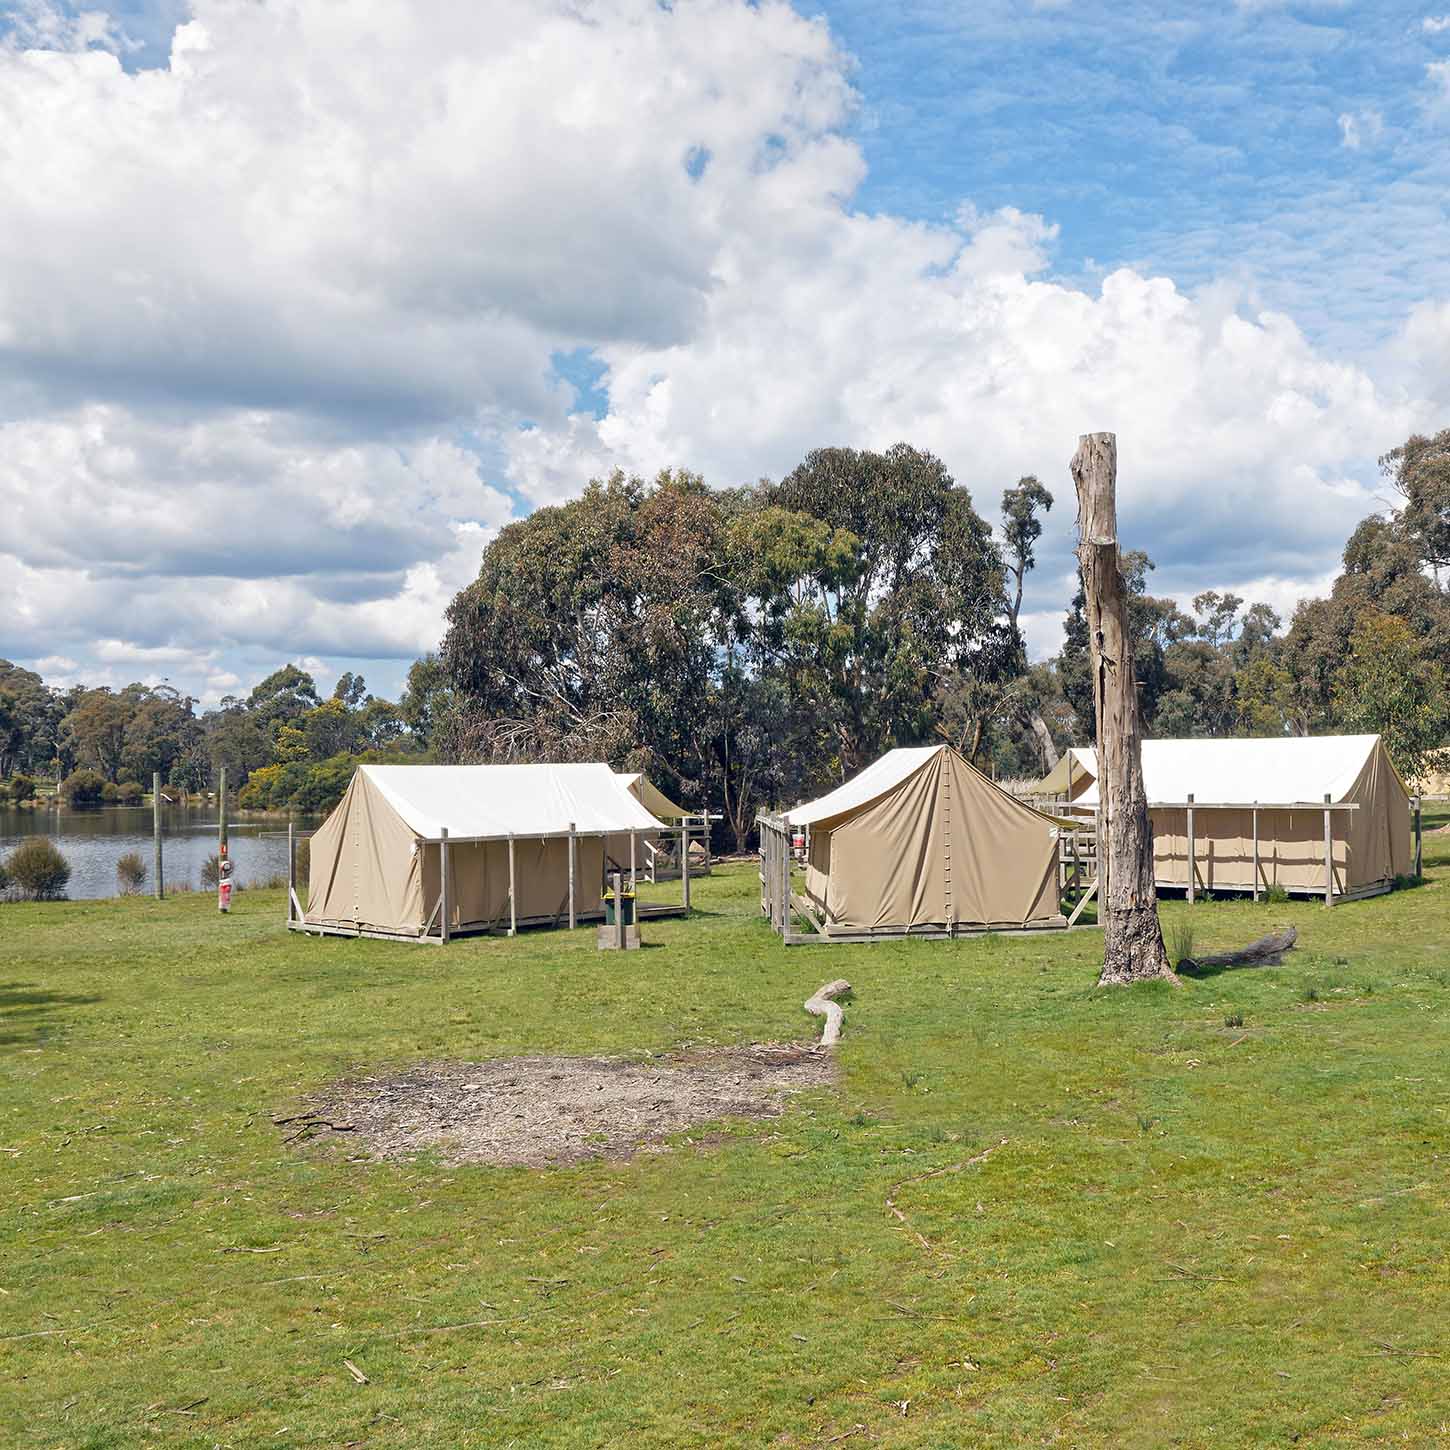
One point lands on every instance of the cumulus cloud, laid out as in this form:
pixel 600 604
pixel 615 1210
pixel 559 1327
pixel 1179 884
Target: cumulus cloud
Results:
pixel 1435 24
pixel 279 324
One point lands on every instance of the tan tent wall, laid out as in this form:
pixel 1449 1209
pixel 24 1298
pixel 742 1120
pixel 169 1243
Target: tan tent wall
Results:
pixel 369 871
pixel 478 879
pixel 1370 846
pixel 943 848
pixel 363 869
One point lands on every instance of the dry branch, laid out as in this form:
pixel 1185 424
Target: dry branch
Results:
pixel 821 1005
pixel 1268 951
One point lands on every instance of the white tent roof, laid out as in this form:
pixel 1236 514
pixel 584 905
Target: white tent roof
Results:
pixel 871 784
pixel 1242 772
pixel 503 800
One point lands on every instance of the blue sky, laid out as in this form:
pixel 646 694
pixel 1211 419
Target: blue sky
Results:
pixel 1200 140
pixel 368 281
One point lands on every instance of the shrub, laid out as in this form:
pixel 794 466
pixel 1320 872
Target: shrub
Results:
pixel 83 788
pixel 1234 1019
pixel 22 789
pixel 1276 895
pixel 211 871
pixel 130 873
pixel 109 794
pixel 1179 941
pixel 4 878
pixel 38 870
pixel 129 793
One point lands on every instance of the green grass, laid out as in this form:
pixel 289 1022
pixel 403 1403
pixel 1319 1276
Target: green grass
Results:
pixel 1206 1217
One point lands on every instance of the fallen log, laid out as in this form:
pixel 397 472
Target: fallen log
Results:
pixel 1268 951
pixel 821 1005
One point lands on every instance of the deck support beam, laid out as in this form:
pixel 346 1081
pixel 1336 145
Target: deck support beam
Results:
pixel 443 882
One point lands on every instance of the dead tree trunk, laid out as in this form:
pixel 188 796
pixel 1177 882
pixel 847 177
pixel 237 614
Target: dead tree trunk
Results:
pixel 1132 938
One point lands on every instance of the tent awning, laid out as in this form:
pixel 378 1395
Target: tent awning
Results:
pixel 495 801
pixel 652 797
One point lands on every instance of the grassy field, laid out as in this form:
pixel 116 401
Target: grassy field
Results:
pixel 1208 1217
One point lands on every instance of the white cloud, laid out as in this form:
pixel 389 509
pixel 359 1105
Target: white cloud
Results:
pixel 264 312
pixel 1437 72
pixel 1435 24
pixel 1359 128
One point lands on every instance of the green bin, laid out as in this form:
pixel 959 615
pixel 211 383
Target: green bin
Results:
pixel 626 907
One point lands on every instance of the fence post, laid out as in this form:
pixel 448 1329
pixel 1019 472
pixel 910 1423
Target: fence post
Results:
pixel 1256 853
pixel 158 885
pixel 291 866
pixel 685 864
pixel 446 910
pixel 633 870
pixel 573 913
pixel 223 891
pixel 1191 863
pixel 513 901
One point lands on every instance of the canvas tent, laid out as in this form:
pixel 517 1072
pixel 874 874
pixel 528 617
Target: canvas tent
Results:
pixel 1287 804
pixel 424 851
pixel 1067 780
pixel 918 843
pixel 652 798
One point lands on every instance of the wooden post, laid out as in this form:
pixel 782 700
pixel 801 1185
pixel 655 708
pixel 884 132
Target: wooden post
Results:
pixel 1133 947
pixel 447 906
pixel 1191 862
pixel 573 912
pixel 1256 853
pixel 633 857
pixel 157 885
pixel 513 899
pixel 222 857
pixel 291 865
pixel 685 864
pixel 618 913
pixel 1419 842
pixel 1328 855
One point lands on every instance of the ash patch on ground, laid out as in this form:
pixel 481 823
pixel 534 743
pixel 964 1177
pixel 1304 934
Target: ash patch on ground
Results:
pixel 544 1111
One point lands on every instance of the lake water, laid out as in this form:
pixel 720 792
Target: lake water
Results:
pixel 93 841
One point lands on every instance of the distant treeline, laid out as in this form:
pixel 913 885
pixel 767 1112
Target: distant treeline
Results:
pixel 748 646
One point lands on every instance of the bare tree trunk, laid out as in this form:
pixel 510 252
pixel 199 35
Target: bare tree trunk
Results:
pixel 1044 741
pixel 1132 938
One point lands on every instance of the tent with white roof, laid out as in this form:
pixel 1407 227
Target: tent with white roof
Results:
pixel 1273 792
pixel 424 851
pixel 920 842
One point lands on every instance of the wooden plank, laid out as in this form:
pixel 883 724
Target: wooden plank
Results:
pixel 443 901
pixel 1192 865
pixel 805 910
pixel 158 886
pixel 1256 853
pixel 1086 897
pixel 573 911
pixel 513 892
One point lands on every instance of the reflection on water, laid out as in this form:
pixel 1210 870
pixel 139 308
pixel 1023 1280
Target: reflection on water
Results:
pixel 92 841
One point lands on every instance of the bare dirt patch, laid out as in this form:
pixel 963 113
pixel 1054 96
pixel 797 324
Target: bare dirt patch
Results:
pixel 541 1111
